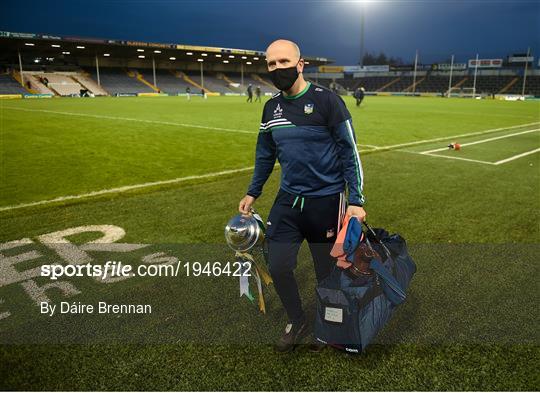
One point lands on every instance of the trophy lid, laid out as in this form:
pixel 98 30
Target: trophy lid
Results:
pixel 242 232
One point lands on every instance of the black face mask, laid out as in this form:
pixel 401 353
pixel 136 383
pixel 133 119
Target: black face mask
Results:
pixel 284 78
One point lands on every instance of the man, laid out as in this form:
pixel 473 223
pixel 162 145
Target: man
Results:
pixel 188 93
pixel 250 93
pixel 258 94
pixel 359 95
pixel 308 129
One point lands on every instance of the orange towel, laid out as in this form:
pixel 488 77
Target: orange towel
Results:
pixel 337 250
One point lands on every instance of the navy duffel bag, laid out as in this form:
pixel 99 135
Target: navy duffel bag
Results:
pixel 352 310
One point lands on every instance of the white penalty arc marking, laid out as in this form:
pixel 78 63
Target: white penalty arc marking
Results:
pixel 166 123
pixel 484 140
pixel 516 157
pixel 125 188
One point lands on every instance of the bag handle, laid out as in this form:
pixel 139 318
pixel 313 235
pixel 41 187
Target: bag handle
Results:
pixel 372 232
pixel 391 286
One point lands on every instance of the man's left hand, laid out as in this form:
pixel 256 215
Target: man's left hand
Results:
pixel 357 211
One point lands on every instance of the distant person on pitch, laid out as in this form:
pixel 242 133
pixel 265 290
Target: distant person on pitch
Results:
pixel 250 93
pixel 359 95
pixel 188 93
pixel 309 130
pixel 258 94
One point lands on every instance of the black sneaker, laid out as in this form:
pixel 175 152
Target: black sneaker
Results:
pixel 292 336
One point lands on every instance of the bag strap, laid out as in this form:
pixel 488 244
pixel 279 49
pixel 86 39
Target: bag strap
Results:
pixel 392 289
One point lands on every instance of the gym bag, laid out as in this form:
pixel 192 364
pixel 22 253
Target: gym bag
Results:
pixel 352 309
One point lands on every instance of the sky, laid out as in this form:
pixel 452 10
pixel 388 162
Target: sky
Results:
pixel 331 29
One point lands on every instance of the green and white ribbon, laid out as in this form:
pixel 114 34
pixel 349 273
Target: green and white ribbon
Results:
pixel 258 271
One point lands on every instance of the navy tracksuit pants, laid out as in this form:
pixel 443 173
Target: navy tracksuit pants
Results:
pixel 293 219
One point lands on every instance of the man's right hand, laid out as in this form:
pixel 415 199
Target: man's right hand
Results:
pixel 245 204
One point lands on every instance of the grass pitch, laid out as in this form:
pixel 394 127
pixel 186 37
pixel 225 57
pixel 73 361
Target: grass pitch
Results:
pixel 471 218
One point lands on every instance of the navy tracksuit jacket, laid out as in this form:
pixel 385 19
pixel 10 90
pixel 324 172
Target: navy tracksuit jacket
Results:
pixel 312 137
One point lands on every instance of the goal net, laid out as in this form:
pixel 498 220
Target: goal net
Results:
pixel 466 92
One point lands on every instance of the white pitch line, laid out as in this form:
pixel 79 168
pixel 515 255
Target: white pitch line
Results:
pixel 179 180
pixel 457 136
pixel 484 140
pixel 124 188
pixel 454 158
pixel 167 123
pixel 516 157
pixel 368 146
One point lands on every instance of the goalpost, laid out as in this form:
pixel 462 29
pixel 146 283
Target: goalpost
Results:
pixel 463 92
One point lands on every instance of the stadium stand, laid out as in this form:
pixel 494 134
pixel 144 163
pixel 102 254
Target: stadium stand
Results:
pixel 266 85
pixel 66 73
pixel 402 84
pixel 532 87
pixel 492 84
pixel 438 84
pixel 140 77
pixel 8 85
pixel 330 84
pixel 249 78
pixel 87 82
pixel 167 81
pixel 211 82
pixel 62 85
pixel 231 85
pixel 372 83
pixel 434 83
pixel 117 81
pixel 429 83
pixel 36 87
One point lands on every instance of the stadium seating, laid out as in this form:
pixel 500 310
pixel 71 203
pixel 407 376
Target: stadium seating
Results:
pixel 435 84
pixel 368 83
pixel 485 84
pixel 60 84
pixel 119 80
pixel 211 82
pixel 88 83
pixel 253 79
pixel 504 84
pixel 36 85
pixel 265 83
pixel 382 83
pixel 167 81
pixel 532 86
pixel 328 83
pixel 321 82
pixel 8 85
pixel 488 84
pixel 116 81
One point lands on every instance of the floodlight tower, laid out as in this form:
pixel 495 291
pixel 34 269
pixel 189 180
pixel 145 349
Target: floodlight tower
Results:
pixel 362 23
pixel 362 28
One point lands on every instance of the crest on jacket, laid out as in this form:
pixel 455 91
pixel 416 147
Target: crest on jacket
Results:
pixel 308 109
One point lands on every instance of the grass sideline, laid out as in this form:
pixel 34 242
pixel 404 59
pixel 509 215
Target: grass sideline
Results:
pixel 451 212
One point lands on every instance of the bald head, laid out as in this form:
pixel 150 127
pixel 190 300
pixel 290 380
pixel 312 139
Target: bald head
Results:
pixel 284 46
pixel 282 54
